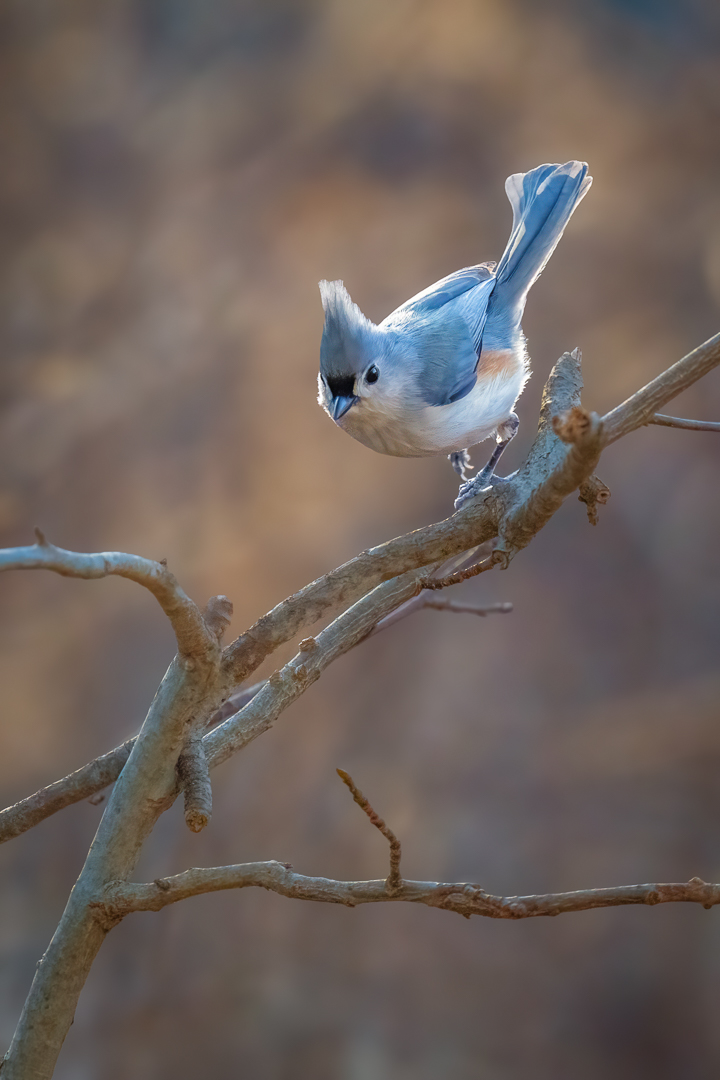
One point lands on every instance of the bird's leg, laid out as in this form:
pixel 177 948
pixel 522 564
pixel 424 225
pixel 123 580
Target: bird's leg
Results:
pixel 505 434
pixel 460 461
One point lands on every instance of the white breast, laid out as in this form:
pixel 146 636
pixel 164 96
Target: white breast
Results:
pixel 394 427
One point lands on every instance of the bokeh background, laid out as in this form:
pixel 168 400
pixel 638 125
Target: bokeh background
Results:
pixel 175 177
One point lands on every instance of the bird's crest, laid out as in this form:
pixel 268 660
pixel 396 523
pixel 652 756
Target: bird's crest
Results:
pixel 347 335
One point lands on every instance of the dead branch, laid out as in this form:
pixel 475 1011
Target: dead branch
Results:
pixel 120 899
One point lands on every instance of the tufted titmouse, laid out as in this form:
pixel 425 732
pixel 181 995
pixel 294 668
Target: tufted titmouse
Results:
pixel 444 370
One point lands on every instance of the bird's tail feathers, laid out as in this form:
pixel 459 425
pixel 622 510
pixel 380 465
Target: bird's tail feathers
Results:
pixel 543 202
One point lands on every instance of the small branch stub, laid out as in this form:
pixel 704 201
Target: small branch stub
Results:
pixel 192 768
pixel 218 614
pixel 394 880
pixel 593 493
pixel 576 426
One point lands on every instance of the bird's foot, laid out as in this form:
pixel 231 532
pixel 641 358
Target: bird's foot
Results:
pixel 471 488
pixel 460 461
pixel 505 434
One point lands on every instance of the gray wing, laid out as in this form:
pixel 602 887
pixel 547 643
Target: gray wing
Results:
pixel 444 358
pixel 446 326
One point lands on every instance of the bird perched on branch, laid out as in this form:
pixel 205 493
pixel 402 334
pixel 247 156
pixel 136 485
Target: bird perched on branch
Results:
pixel 444 370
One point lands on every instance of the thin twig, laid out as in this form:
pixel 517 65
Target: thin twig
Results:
pixel 120 899
pixel 689 425
pixel 502 608
pixel 464 575
pixel 417 603
pixel 394 880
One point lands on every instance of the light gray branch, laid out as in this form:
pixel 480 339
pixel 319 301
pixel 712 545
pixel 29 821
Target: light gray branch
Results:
pixel 192 634
pixel 464 898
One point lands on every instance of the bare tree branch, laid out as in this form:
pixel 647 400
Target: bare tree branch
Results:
pixel 689 425
pixel 185 617
pixel 120 899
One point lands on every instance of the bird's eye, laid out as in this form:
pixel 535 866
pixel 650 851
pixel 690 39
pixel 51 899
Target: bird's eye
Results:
pixel 372 374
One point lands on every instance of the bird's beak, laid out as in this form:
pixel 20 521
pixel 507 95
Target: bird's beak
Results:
pixel 340 406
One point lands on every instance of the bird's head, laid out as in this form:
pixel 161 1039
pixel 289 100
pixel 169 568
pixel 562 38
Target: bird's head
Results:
pixel 350 353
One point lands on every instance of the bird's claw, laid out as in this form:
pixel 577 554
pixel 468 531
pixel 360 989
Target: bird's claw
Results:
pixel 471 488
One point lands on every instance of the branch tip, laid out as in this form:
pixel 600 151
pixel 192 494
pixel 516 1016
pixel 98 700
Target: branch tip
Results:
pixel 40 537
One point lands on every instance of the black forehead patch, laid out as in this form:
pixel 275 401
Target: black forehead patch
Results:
pixel 341 385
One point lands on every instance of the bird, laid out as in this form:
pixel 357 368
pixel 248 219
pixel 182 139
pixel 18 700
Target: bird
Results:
pixel 443 371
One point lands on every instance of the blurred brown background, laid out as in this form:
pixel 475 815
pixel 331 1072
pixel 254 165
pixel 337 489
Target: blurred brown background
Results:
pixel 175 177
